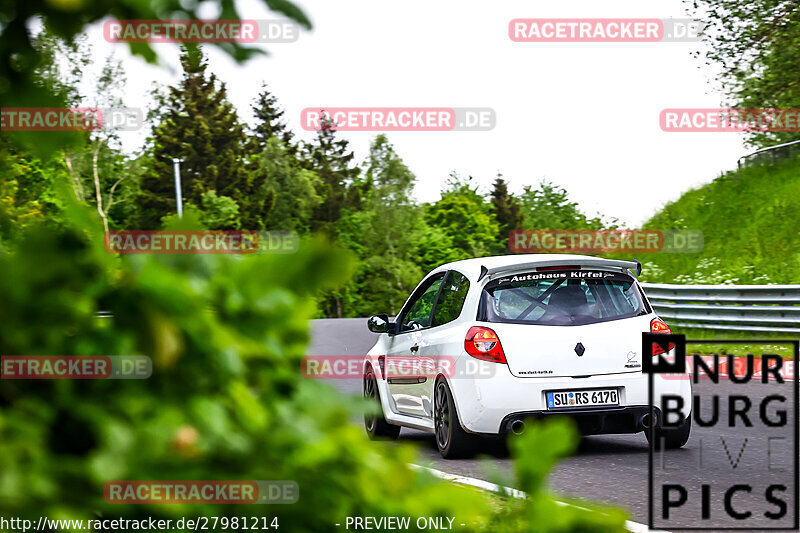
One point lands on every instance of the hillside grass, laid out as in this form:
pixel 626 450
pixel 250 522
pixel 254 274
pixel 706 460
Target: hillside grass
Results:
pixel 750 219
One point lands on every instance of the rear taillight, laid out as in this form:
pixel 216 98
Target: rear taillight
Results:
pixel 659 326
pixel 483 343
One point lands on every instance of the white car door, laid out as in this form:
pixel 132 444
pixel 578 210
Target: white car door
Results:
pixel 407 345
pixel 438 347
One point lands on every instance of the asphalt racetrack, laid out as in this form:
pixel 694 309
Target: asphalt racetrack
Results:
pixel 614 469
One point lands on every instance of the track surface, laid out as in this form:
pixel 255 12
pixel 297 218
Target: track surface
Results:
pixel 614 469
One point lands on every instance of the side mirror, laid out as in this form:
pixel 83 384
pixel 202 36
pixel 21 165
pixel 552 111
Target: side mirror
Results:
pixel 380 324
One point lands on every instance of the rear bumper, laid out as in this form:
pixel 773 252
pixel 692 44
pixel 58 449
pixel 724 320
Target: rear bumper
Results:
pixel 591 421
pixel 489 405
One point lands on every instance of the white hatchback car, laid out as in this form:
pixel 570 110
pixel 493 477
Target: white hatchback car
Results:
pixel 498 341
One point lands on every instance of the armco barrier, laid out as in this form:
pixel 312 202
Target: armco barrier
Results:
pixel 766 308
pixel 761 308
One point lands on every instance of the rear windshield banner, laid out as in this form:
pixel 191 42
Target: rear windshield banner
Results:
pixel 560 274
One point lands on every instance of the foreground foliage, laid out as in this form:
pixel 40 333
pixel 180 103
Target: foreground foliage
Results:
pixel 226 399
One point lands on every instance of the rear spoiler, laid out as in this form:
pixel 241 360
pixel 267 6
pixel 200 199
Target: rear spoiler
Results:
pixel 634 266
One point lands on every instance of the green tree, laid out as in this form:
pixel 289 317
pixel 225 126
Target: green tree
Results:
pixel 331 158
pixel 100 174
pixel 200 126
pixel 386 231
pixel 435 248
pixel 506 210
pixel 27 190
pixel 270 123
pixel 465 218
pixel 756 45
pixel 218 212
pixel 294 188
pixel 549 207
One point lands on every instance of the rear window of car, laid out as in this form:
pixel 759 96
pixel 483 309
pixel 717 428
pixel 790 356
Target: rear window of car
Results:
pixel 562 298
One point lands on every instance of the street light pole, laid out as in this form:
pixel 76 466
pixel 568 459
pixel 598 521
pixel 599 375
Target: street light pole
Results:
pixel 178 195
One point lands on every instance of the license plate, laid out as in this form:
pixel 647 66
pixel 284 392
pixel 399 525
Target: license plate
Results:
pixel 571 399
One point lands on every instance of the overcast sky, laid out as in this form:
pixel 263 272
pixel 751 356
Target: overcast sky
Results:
pixel 584 116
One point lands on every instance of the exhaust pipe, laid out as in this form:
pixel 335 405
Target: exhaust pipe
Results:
pixel 517 427
pixel 645 422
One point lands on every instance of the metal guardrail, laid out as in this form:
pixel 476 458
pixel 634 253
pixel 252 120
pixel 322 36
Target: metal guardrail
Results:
pixel 765 308
pixel 775 153
pixel 760 308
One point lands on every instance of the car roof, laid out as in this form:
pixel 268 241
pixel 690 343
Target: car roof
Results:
pixel 473 268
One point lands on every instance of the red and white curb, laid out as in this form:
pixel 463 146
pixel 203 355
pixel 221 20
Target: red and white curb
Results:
pixel 634 527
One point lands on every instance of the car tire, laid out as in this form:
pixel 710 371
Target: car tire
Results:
pixel 673 438
pixel 375 423
pixel 451 439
